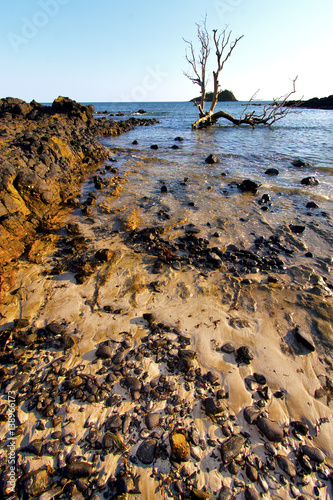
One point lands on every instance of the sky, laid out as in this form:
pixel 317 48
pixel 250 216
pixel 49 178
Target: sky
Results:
pixel 107 50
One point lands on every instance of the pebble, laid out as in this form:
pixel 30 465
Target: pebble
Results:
pixel 270 429
pixel 231 448
pixel 152 420
pixel 146 451
pixel 211 159
pixel 286 465
pixel 313 453
pixel 180 448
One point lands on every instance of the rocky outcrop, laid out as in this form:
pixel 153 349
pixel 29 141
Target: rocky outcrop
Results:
pixel 45 154
pixel 224 96
pixel 314 103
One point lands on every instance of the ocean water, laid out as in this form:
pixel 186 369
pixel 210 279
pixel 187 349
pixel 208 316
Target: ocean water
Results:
pixel 210 193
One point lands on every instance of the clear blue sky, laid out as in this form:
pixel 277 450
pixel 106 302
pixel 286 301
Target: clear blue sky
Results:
pixel 107 50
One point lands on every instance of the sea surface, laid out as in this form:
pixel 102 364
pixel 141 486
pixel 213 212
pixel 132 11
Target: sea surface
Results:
pixel 210 192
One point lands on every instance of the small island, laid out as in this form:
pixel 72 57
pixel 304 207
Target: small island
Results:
pixel 224 96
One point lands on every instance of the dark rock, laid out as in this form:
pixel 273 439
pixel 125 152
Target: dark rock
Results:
pixel 104 255
pixel 113 423
pixel 35 447
pixel 231 448
pixel 141 112
pixel 310 181
pixel 224 96
pixel 78 469
pixel 154 146
pixel 104 351
pixel 272 171
pixel 305 339
pixel 146 451
pixel 211 159
pixel 178 138
pixel 244 355
pixel 174 146
pixel 286 465
pixel 313 453
pixel 300 427
pixel 297 229
pixel 228 348
pixel 135 142
pixel 311 204
pixel 251 493
pixel 270 429
pixel 51 448
pixel 164 189
pixel 133 383
pixel 152 420
pixel 251 414
pixel 214 406
pixel 300 163
pixel 248 186
pixel 226 493
pixel 261 379
pixel 251 473
pixel 35 483
pixel 21 323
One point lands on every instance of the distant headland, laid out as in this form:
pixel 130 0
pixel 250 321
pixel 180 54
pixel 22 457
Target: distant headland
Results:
pixel 314 103
pixel 225 95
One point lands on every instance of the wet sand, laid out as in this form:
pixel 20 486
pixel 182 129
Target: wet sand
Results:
pixel 165 309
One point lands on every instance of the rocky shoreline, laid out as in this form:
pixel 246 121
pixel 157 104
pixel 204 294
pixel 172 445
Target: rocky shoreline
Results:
pixel 152 361
pixel 45 154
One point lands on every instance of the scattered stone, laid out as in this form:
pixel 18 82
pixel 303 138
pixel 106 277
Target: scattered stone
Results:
pixel 78 469
pixel 104 351
pixel 228 348
pixel 211 159
pixel 35 483
pixel 251 493
pixel 270 429
pixel 214 406
pixel 286 465
pixel 244 355
pixel 180 448
pixel 251 413
pixel 154 146
pixel 300 163
pixel 311 204
pixel 104 255
pixel 152 420
pixel 146 451
pixel 313 453
pixel 310 181
pixel 164 189
pixel 231 448
pixel 248 186
pixel 226 493
pixel 272 171
pixel 297 229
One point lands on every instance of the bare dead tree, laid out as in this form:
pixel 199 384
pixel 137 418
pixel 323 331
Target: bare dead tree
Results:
pixel 223 49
